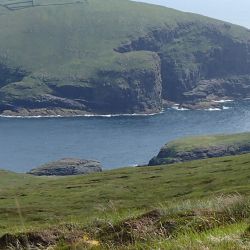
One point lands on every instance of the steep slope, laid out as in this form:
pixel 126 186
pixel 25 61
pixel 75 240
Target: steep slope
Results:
pixel 116 56
pixel 201 147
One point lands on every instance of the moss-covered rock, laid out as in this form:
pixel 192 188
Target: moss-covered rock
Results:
pixel 194 148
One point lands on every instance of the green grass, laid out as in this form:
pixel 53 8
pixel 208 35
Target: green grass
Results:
pixel 201 204
pixel 48 201
pixel 219 238
pixel 190 143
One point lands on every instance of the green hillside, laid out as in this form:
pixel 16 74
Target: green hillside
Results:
pixel 114 56
pixel 199 199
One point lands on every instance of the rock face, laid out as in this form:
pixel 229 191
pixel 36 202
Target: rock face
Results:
pixel 198 63
pixel 196 148
pixel 130 58
pixel 67 166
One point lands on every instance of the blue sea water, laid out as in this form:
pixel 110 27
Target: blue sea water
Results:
pixel 115 141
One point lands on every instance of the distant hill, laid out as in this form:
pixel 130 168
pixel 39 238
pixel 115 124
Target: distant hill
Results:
pixel 116 56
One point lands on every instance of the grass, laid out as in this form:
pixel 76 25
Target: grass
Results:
pixel 191 143
pixel 221 222
pixel 220 238
pixel 96 201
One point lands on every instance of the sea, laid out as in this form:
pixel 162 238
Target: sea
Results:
pixel 116 141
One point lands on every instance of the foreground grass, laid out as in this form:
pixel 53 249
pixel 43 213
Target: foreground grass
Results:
pixel 102 205
pixel 220 238
pixel 218 223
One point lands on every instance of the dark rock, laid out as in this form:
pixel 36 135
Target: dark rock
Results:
pixel 67 166
pixel 195 74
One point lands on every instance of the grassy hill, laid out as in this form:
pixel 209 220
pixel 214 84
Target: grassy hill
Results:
pixel 91 54
pixel 199 204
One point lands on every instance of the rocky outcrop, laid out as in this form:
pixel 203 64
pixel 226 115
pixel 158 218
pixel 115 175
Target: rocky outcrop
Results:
pixel 67 166
pixel 124 90
pixel 197 148
pixel 195 58
pixel 234 87
pixel 10 74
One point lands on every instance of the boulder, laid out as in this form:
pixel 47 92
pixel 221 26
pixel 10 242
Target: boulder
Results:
pixel 67 166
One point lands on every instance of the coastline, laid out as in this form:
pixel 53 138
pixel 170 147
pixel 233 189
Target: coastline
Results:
pixel 27 113
pixel 69 114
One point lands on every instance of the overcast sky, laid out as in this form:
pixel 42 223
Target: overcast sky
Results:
pixel 234 11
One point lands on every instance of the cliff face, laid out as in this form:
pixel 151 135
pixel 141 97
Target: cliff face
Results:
pixel 120 90
pixel 117 62
pixel 198 62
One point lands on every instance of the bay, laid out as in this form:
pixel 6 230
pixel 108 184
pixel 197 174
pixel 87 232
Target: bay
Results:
pixel 115 141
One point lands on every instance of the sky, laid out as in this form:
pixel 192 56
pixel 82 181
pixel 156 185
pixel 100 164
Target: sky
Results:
pixel 234 11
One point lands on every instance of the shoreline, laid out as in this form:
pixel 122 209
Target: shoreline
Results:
pixel 80 115
pixel 25 113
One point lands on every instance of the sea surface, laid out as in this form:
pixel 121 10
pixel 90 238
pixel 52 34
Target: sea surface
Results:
pixel 116 141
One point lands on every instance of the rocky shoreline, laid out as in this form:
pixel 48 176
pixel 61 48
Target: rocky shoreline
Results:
pixel 216 104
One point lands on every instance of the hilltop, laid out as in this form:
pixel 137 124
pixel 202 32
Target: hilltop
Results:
pixel 116 56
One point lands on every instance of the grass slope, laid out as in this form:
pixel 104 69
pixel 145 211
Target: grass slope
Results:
pixel 190 143
pixel 35 203
pixel 70 44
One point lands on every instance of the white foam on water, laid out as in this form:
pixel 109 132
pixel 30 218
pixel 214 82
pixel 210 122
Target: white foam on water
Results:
pixel 177 107
pixel 213 109
pixel 73 116
pixel 223 101
pixel 180 109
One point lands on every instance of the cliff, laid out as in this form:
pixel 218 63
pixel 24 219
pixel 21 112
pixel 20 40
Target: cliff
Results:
pixel 116 56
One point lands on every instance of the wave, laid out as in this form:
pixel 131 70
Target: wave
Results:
pixel 213 109
pixel 179 109
pixel 226 108
pixel 223 100
pixel 74 116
